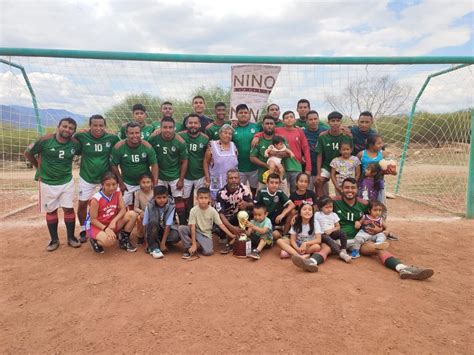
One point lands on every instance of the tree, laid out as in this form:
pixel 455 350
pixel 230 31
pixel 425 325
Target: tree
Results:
pixel 383 96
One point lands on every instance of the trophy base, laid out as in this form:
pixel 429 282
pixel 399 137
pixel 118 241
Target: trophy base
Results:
pixel 242 248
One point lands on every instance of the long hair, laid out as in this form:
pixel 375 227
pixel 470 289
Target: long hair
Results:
pixel 298 225
pixel 378 177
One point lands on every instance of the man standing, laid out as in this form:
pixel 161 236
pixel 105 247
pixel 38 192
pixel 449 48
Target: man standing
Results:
pixel 52 156
pixel 172 157
pixel 135 157
pixel 243 135
pixel 304 107
pixel 312 132
pixel 199 106
pixel 212 129
pixel 273 110
pixel 196 142
pixel 139 116
pixel 96 146
pixel 232 198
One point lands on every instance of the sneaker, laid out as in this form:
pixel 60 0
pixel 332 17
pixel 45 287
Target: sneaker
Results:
pixel 53 245
pixel 83 237
pixel 186 255
pixel 392 236
pixel 255 254
pixel 309 265
pixel 128 246
pixel 73 242
pixel 355 254
pixel 284 255
pixel 140 240
pixel 344 256
pixel 95 246
pixel 157 254
pixel 415 273
pixel 227 249
pixel 382 245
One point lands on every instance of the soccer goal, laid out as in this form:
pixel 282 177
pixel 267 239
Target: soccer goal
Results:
pixel 422 106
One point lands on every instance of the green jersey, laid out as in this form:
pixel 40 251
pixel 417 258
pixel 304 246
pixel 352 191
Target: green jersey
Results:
pixel 170 154
pixel 212 130
pixel 303 124
pixel 146 131
pixel 134 162
pixel 348 215
pixel 242 138
pixel 54 159
pixel 275 202
pixel 328 147
pixel 157 124
pixel 196 148
pixel 95 160
pixel 259 152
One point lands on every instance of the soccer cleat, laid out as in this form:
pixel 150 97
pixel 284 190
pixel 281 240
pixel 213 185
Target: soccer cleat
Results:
pixel 95 246
pixel 53 245
pixel 255 254
pixel 355 254
pixel 227 249
pixel 309 265
pixel 157 254
pixel 415 273
pixel 83 237
pixel 73 242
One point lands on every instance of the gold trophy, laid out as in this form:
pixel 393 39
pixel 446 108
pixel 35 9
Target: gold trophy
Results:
pixel 242 245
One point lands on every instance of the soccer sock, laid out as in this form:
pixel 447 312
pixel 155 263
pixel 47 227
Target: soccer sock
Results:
pixel 320 256
pixel 70 222
pixel 390 261
pixel 52 223
pixel 180 210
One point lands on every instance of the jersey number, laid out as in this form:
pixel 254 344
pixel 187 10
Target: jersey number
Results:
pixel 165 150
pixel 193 147
pixel 61 154
pixel 350 216
pixel 335 146
pixel 135 158
pixel 98 147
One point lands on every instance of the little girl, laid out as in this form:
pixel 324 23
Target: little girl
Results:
pixel 108 216
pixel 142 197
pixel 329 223
pixel 372 182
pixel 366 224
pixel 305 233
pixel 302 194
pixel 344 166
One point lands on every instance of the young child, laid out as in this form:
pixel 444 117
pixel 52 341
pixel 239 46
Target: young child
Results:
pixel 344 166
pixel 277 203
pixel 305 234
pixel 158 221
pixel 273 162
pixel 108 216
pixel 302 194
pixel 372 182
pixel 259 229
pixel 141 198
pixel 329 223
pixel 366 225
pixel 199 231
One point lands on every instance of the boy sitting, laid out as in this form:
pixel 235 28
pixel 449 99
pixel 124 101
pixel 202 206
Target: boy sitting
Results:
pixel 199 231
pixel 259 230
pixel 277 203
pixel 158 222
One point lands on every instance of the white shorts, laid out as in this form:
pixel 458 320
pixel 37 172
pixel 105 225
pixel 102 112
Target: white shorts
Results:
pixel 172 185
pixel 188 186
pixel 87 190
pixel 54 196
pixel 326 174
pixel 251 177
pixel 275 160
pixel 128 195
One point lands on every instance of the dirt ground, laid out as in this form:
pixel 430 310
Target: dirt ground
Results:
pixel 76 301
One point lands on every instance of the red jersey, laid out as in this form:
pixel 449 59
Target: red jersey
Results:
pixel 108 207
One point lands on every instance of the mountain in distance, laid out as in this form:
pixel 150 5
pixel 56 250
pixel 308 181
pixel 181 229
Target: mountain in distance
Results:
pixel 24 117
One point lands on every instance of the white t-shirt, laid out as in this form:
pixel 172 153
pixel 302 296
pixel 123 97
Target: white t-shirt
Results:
pixel 304 236
pixel 326 221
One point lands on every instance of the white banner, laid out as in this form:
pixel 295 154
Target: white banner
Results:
pixel 251 85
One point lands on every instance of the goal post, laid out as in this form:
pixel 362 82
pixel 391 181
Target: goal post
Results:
pixel 425 118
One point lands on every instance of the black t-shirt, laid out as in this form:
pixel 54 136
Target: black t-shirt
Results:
pixel 204 120
pixel 308 197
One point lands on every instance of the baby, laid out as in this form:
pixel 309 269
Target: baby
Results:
pixel 273 162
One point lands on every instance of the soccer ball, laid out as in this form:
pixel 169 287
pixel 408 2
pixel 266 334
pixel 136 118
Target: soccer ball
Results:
pixel 386 164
